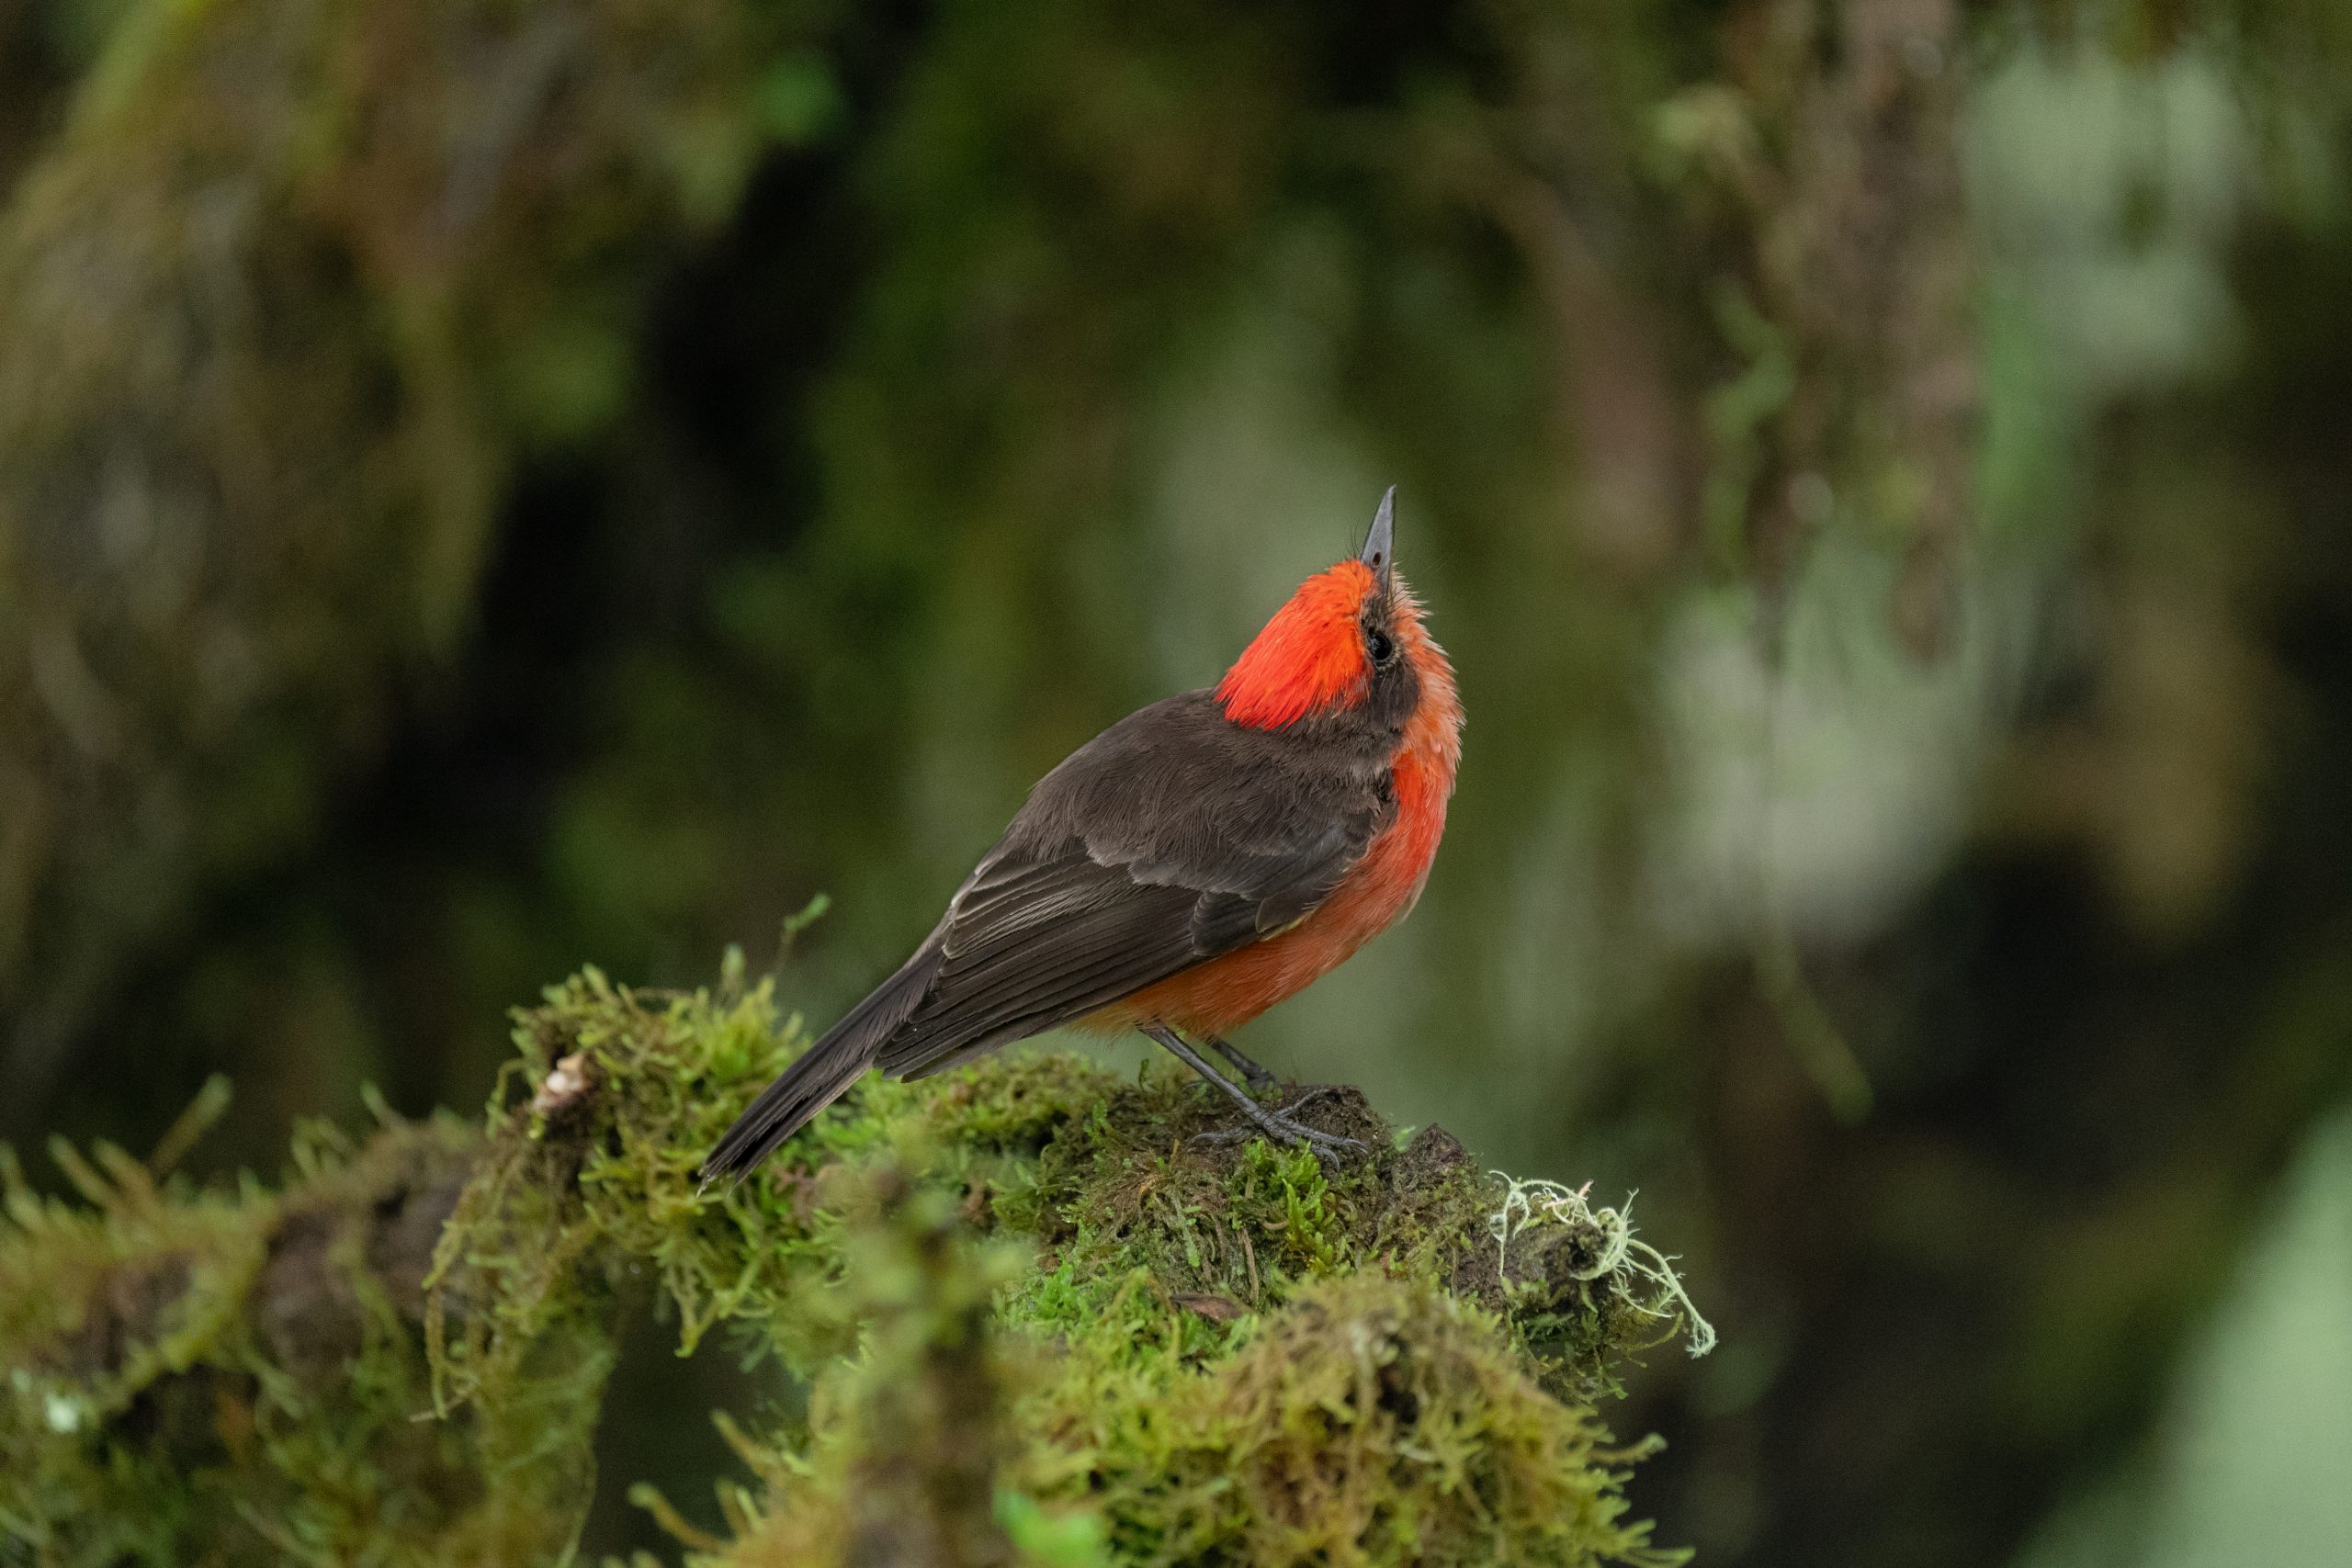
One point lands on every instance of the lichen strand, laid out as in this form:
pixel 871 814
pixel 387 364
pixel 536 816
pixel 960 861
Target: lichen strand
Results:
pixel 1044 1324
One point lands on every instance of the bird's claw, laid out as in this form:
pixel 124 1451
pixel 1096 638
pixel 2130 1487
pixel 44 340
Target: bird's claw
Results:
pixel 1281 1126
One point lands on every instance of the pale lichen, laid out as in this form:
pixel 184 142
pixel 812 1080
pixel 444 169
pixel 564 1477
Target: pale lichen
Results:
pixel 1640 1275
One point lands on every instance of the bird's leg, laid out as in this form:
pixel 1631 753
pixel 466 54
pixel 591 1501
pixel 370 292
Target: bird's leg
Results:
pixel 1259 1078
pixel 1279 1125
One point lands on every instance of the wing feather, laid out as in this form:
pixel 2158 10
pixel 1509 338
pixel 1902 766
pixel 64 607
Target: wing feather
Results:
pixel 1119 873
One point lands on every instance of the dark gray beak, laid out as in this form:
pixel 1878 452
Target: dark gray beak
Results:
pixel 1380 545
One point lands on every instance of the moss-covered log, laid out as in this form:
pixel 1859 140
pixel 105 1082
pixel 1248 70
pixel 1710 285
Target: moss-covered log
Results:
pixel 235 1376
pixel 1042 1324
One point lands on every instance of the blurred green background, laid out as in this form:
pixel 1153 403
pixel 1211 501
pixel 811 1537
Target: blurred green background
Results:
pixel 492 485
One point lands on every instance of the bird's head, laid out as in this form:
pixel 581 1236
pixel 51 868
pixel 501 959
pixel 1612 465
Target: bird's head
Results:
pixel 1349 641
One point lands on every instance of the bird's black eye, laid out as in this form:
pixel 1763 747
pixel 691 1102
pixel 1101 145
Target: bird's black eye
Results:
pixel 1382 646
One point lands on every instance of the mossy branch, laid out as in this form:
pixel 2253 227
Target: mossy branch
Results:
pixel 1041 1323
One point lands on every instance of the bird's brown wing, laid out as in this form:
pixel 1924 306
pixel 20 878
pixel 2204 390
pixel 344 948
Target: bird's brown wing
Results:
pixel 1071 934
pixel 1172 837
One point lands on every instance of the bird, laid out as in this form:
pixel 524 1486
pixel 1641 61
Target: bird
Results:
pixel 1201 860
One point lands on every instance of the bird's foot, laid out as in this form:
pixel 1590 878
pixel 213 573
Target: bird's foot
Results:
pixel 1259 1079
pixel 1281 1127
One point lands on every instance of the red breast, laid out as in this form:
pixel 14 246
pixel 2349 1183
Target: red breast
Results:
pixel 1308 658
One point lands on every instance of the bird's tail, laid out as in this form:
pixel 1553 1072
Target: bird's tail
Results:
pixel 822 1073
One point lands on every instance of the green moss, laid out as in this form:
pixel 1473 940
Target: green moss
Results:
pixel 1371 1419
pixel 607 1179
pixel 1043 1322
pixel 233 1375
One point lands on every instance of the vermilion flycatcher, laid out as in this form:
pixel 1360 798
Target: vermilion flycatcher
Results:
pixel 1186 869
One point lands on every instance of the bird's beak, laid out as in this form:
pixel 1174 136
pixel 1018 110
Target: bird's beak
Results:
pixel 1380 545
